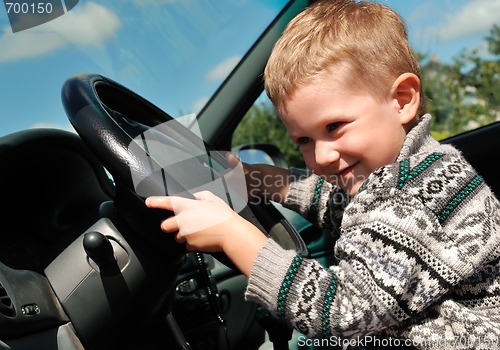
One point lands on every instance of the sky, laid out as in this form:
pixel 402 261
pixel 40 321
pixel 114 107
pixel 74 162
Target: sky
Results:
pixel 177 61
pixel 445 27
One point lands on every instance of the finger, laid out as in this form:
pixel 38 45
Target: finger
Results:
pixel 180 238
pixel 232 159
pixel 169 225
pixel 160 202
pixel 234 162
pixel 172 203
pixel 204 195
pixel 247 168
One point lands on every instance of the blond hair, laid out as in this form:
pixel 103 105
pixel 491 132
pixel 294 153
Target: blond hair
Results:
pixel 369 38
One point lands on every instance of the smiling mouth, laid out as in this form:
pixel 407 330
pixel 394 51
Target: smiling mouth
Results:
pixel 345 171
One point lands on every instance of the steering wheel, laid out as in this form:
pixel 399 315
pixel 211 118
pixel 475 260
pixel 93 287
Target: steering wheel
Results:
pixel 116 124
pixel 109 117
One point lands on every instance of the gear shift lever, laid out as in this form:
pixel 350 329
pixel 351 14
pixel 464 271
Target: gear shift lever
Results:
pixel 99 249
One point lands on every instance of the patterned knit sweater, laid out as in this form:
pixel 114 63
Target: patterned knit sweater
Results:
pixel 417 250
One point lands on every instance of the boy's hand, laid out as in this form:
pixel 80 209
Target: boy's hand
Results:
pixel 208 224
pixel 263 180
pixel 252 175
pixel 200 222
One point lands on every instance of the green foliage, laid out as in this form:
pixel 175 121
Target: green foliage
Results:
pixel 262 124
pixel 465 94
pixel 493 40
pixel 461 95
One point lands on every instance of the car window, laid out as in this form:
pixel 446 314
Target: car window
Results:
pixel 458 46
pixel 174 53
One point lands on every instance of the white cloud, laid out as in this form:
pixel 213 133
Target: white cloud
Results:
pixel 222 70
pixel 87 25
pixel 476 17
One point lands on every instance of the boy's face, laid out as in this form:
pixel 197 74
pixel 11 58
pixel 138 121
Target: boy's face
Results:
pixel 343 135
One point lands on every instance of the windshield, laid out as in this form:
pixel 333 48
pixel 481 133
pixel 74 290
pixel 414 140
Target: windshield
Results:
pixel 175 53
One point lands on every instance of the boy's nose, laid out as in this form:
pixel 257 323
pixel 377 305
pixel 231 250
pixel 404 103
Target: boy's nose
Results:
pixel 325 154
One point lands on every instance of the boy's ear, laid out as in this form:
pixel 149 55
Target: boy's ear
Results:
pixel 406 91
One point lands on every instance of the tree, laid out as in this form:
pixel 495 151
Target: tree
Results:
pixel 464 94
pixel 493 40
pixel 262 124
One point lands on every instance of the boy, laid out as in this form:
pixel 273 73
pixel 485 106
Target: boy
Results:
pixel 417 230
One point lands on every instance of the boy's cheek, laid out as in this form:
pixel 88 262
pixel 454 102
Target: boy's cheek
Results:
pixel 309 160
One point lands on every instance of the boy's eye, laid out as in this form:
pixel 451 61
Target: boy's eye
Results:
pixel 332 126
pixel 303 140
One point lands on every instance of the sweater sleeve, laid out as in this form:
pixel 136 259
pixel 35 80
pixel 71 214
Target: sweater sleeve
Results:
pixel 312 197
